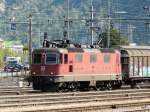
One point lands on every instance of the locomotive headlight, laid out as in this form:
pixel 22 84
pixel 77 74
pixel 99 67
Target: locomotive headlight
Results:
pixel 52 73
pixel 33 73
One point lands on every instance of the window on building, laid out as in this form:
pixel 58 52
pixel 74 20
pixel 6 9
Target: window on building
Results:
pixel 93 58
pixel 106 58
pixel 78 58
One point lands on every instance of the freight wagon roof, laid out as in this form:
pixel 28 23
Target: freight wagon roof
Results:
pixel 135 47
pixel 135 50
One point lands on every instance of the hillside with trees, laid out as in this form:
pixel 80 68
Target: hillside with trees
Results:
pixel 51 16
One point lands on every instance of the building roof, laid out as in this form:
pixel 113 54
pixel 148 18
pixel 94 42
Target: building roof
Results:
pixel 1 40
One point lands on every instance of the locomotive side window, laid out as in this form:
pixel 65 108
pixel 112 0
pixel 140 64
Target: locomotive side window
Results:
pixel 106 58
pixel 65 59
pixel 37 58
pixel 93 58
pixel 61 58
pixel 78 58
pixel 51 58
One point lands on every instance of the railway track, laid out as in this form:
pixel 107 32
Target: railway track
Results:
pixel 75 102
pixel 15 89
pixel 31 101
pixel 79 106
pixel 10 86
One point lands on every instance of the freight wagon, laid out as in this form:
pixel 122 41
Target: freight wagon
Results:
pixel 135 61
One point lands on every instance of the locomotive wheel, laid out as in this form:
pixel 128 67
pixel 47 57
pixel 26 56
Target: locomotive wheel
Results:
pixel 97 88
pixel 62 87
pixel 73 86
pixel 100 86
pixel 109 86
pixel 60 90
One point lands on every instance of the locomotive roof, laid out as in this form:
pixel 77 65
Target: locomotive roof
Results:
pixel 63 50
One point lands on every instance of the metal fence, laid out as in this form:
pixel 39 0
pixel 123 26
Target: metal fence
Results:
pixel 14 74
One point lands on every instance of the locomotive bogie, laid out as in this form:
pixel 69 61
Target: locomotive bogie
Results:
pixel 45 83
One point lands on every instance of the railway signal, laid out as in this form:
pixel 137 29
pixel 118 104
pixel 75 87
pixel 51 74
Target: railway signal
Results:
pixel 13 26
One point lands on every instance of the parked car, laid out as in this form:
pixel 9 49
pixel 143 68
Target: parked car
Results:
pixel 13 68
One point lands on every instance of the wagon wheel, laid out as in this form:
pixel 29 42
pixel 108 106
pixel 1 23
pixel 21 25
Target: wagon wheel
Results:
pixel 133 84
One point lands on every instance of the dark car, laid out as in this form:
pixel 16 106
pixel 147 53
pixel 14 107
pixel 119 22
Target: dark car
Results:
pixel 13 68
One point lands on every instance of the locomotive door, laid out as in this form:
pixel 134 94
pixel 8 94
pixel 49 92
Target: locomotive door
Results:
pixel 70 68
pixel 69 62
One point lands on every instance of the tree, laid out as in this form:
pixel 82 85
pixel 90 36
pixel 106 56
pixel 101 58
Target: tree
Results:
pixel 116 39
pixel 4 53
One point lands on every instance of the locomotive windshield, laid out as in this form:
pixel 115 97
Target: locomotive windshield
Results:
pixel 52 58
pixel 37 58
pixel 47 58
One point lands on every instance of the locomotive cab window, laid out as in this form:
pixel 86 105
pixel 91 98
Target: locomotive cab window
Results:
pixel 51 58
pixel 37 58
pixel 61 58
pixel 106 58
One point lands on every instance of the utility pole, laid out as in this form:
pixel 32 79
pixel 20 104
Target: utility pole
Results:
pixel 108 30
pixel 92 24
pixel 147 24
pixel 68 23
pixel 30 40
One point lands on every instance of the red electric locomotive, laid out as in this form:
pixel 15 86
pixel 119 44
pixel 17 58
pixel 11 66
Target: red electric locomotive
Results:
pixel 62 67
